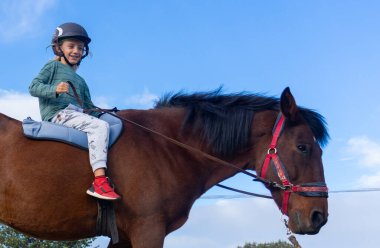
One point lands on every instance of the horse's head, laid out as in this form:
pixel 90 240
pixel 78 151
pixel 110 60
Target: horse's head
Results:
pixel 294 163
pixel 238 128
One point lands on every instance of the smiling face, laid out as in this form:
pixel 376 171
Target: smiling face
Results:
pixel 73 50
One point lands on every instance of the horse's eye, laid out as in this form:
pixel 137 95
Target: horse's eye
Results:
pixel 302 148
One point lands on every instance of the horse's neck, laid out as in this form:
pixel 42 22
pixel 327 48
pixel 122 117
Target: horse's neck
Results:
pixel 194 167
pixel 253 157
pixel 198 168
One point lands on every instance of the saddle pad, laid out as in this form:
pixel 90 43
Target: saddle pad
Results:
pixel 45 130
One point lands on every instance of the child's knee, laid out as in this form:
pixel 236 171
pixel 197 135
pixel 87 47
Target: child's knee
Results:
pixel 104 125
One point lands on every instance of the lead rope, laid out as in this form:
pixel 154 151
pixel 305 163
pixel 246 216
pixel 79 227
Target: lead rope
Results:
pixel 294 241
pixel 290 234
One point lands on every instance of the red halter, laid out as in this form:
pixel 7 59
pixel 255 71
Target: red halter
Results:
pixel 315 189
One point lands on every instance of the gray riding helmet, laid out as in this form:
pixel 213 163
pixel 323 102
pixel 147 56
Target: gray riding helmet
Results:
pixel 69 30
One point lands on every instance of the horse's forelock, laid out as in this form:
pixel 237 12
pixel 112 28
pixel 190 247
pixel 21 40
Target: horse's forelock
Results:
pixel 318 125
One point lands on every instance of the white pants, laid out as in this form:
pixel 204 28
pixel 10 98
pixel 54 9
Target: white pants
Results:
pixel 97 133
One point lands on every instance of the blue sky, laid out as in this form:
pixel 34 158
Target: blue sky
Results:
pixel 327 52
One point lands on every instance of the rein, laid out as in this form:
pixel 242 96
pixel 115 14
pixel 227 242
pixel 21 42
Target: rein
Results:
pixel 316 189
pixel 176 142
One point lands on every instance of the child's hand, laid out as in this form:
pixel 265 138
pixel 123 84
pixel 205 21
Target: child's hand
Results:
pixel 62 87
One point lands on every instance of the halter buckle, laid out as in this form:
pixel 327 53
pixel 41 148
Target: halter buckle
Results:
pixel 280 186
pixel 272 150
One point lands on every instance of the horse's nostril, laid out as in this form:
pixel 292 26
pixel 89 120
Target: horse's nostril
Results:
pixel 318 219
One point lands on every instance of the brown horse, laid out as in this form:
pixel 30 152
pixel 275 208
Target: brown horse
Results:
pixel 43 183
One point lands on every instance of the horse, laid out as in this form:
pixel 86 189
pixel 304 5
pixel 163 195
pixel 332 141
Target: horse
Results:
pixel 43 183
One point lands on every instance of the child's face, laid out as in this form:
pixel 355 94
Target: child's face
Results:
pixel 73 50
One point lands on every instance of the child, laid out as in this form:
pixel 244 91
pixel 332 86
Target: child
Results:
pixel 70 45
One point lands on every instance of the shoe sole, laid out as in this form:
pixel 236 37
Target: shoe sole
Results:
pixel 96 195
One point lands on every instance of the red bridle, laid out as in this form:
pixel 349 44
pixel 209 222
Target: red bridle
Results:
pixel 315 189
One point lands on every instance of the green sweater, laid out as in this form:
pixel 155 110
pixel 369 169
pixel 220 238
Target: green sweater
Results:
pixel 44 87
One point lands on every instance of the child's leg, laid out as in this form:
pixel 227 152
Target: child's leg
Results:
pixel 97 132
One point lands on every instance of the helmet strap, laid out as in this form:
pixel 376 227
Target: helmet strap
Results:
pixel 67 61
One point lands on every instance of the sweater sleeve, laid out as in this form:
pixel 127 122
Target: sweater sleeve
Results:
pixel 41 85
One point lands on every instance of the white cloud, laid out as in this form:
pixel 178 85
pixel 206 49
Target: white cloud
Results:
pixel 365 150
pixel 144 100
pixel 229 223
pixel 366 153
pixel 19 105
pixel 22 17
pixel 101 102
pixel 259 220
pixel 370 181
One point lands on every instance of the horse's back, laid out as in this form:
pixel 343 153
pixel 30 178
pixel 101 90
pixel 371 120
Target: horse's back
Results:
pixel 43 185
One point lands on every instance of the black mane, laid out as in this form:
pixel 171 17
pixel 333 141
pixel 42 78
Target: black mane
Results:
pixel 225 119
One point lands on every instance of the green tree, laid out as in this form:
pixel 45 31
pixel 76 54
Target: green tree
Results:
pixel 278 244
pixel 9 238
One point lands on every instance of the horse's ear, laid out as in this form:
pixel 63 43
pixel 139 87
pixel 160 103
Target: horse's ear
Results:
pixel 288 105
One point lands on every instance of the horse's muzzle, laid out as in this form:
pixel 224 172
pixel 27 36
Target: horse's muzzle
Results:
pixel 311 224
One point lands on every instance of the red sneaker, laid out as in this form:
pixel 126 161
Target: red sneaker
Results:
pixel 102 189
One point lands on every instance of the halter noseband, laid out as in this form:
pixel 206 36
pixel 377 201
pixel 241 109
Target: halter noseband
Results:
pixel 314 189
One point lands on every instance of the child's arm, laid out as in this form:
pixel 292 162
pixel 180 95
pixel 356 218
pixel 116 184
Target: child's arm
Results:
pixel 41 85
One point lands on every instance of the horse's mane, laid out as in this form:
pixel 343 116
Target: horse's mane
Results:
pixel 225 120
